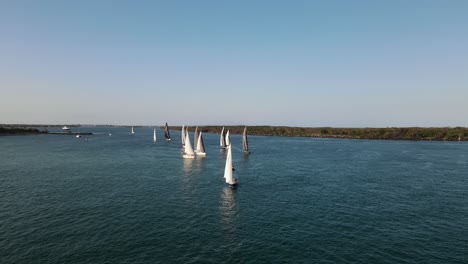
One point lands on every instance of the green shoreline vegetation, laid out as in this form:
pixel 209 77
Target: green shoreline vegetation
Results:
pixel 390 133
pixel 20 131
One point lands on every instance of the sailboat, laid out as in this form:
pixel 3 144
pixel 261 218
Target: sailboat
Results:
pixel 133 132
pixel 228 174
pixel 188 151
pixel 228 140
pixel 195 139
pixel 167 135
pixel 183 136
pixel 154 134
pixel 108 132
pixel 200 150
pixel 245 142
pixel 222 140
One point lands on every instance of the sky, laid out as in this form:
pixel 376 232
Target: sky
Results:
pixel 294 63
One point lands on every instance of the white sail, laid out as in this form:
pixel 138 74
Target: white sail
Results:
pixel 183 135
pixel 228 169
pixel 245 142
pixel 188 150
pixel 200 146
pixel 133 132
pixel 228 140
pixel 222 142
pixel 195 138
pixel 154 134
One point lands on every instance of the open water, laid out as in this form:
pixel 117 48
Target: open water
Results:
pixel 125 199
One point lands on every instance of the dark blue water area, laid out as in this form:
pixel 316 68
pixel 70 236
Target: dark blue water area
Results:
pixel 126 199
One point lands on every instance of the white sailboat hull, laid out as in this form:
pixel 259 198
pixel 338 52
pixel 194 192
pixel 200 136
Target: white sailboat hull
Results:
pixel 201 154
pixel 187 156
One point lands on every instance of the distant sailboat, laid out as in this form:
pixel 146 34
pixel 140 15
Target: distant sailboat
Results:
pixel 245 142
pixel 188 151
pixel 222 140
pixel 228 174
pixel 195 138
pixel 183 136
pixel 109 133
pixel 133 132
pixel 167 135
pixel 65 128
pixel 227 139
pixel 200 150
pixel 154 134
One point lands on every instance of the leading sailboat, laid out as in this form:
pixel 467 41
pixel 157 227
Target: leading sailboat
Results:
pixel 245 142
pixel 228 174
pixel 154 134
pixel 133 132
pixel 188 150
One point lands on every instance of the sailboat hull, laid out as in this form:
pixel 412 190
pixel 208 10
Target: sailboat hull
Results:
pixel 186 156
pixel 200 154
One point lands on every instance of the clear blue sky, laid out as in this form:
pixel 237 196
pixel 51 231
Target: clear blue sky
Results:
pixel 297 63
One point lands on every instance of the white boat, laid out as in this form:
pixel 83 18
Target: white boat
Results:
pixel 228 174
pixel 195 139
pixel 65 128
pixel 245 142
pixel 167 135
pixel 222 140
pixel 183 135
pixel 154 134
pixel 133 132
pixel 228 140
pixel 188 150
pixel 109 133
pixel 200 150
pixel 78 136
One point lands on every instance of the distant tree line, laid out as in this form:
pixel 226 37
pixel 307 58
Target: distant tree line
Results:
pixel 390 133
pixel 20 130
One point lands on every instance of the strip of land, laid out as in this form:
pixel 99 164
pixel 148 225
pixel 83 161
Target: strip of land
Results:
pixel 34 131
pixel 389 133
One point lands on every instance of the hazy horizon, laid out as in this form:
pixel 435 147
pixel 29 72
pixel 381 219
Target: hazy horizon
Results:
pixel 299 63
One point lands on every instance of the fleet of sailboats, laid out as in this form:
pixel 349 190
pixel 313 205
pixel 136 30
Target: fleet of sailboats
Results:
pixel 199 147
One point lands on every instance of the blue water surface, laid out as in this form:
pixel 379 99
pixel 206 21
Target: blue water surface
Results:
pixel 125 199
